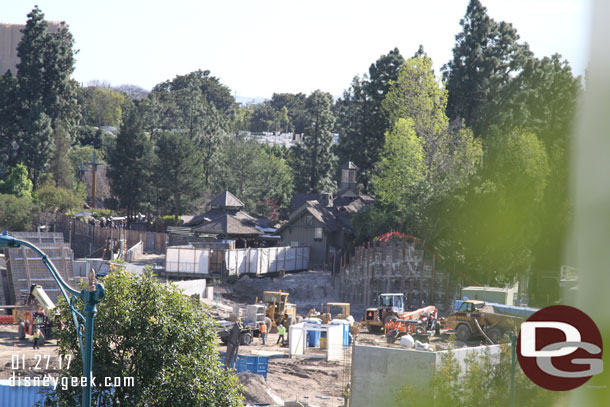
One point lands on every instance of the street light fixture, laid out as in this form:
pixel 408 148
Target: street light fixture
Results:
pixel 91 296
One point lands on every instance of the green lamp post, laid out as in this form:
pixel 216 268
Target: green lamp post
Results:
pixel 91 296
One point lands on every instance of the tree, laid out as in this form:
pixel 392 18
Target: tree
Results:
pixel 178 171
pixel 102 106
pixel 401 169
pixel 208 86
pixel 505 201
pixel 424 160
pixel 52 198
pixel 255 175
pixel 151 332
pixel 130 161
pixel 45 93
pixel 59 164
pixel 485 57
pixel 17 183
pixel 362 122
pixel 314 159
pixel 8 120
pixel 189 104
pixel 15 212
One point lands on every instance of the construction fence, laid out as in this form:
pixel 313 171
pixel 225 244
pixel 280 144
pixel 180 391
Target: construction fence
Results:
pixel 235 262
pixel 397 266
pixel 87 240
pixel 25 267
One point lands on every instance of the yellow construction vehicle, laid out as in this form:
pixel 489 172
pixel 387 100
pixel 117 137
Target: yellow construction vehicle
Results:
pixel 343 309
pixel 279 310
pixel 36 313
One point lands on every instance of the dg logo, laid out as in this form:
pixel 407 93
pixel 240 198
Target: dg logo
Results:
pixel 560 348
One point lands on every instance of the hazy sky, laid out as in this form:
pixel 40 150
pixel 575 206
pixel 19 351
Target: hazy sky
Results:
pixel 265 46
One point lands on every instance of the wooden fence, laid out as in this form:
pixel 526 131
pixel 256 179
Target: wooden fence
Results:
pixel 87 239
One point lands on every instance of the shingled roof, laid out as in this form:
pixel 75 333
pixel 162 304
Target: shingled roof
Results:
pixel 226 200
pixel 228 224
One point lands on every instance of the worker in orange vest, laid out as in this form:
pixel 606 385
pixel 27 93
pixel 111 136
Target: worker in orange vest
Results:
pixel 263 329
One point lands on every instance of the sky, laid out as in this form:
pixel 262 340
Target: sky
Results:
pixel 260 47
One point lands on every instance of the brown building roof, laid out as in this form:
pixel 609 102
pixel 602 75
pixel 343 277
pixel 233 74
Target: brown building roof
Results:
pixel 226 200
pixel 228 224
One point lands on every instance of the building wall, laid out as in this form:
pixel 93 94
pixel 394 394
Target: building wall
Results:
pixel 378 373
pixel 303 233
pixel 10 35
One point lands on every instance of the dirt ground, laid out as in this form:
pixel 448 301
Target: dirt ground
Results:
pixel 309 380
pixel 18 358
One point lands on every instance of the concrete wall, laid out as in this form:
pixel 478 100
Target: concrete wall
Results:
pixel 10 35
pixel 379 372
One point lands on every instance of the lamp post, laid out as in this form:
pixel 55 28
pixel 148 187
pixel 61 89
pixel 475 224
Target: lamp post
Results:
pixel 91 296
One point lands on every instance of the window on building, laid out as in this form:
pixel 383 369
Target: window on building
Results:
pixel 318 234
pixel 308 219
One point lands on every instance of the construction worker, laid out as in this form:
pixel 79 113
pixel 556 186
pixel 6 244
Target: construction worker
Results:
pixel 37 334
pixel 233 344
pixel 281 332
pixel 263 329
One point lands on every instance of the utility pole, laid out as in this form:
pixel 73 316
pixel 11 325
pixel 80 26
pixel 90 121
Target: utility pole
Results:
pixel 93 165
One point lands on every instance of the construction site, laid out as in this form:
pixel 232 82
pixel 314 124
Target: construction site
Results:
pixel 386 310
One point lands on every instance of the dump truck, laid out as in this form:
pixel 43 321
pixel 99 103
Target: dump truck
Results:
pixel 390 305
pixel 492 321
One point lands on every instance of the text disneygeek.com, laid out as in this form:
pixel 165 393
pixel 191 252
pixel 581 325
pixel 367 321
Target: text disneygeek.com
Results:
pixel 66 382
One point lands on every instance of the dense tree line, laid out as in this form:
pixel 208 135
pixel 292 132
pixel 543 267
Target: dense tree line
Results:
pixel 473 164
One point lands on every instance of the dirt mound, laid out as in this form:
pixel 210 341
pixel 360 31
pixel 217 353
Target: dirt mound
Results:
pixel 257 391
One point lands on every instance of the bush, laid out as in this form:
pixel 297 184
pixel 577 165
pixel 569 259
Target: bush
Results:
pixel 155 334
pixel 15 213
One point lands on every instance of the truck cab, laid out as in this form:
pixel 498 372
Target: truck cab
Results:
pixel 390 305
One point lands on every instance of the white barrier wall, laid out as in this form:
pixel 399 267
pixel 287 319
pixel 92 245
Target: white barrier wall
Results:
pixel 259 261
pixel 334 335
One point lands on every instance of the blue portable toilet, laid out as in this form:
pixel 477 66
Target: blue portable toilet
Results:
pixel 345 324
pixel 313 337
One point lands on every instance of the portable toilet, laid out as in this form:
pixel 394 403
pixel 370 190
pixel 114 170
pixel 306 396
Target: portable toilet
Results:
pixel 345 324
pixel 313 337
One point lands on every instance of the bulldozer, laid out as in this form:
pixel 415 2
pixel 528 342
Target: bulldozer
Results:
pixel 278 309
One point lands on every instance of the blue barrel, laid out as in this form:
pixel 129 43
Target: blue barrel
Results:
pixel 313 337
pixel 345 324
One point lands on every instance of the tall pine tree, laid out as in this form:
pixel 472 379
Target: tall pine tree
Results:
pixel 130 162
pixel 362 122
pixel 485 57
pixel 45 93
pixel 314 160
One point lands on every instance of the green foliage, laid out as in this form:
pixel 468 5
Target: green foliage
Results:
pixel 15 213
pixel 505 201
pixel 361 120
pixel 17 183
pixel 254 174
pixel 424 160
pixel 102 106
pixel 130 160
pixel 401 169
pixel 177 172
pixel 486 57
pixel 483 381
pixel 314 159
pixel 8 120
pixel 52 198
pixel 45 93
pixel 150 331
